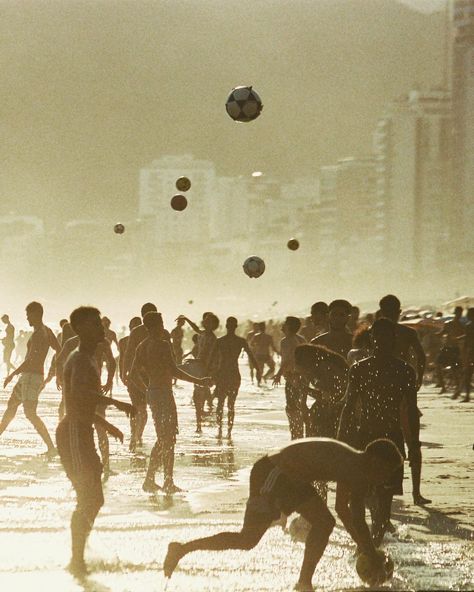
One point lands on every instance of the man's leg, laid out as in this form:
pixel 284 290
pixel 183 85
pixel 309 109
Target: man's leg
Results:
pixel 381 517
pixel 90 499
pixel 254 527
pixel 198 399
pixel 232 396
pixel 29 408
pixel 322 523
pixel 415 467
pixel 467 380
pixel 10 412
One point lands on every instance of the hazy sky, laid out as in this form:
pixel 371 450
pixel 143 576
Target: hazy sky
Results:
pixel 92 91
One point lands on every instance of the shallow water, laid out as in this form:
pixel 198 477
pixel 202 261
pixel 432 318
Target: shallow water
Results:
pixel 127 546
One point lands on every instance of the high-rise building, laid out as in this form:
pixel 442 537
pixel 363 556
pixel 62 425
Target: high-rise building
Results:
pixel 413 151
pixel 462 85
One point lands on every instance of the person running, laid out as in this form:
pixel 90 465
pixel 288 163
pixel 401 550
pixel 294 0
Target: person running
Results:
pixel 378 385
pixel 361 345
pixel 263 347
pixel 30 384
pixel 154 360
pixel 225 355
pixel 139 418
pixel 294 391
pixel 8 343
pixel 450 354
pixel 82 393
pixel 337 339
pixel 409 349
pixel 282 482
pixel 206 342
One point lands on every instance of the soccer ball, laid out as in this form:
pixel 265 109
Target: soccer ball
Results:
pixel 293 244
pixel 119 229
pixel 243 104
pixel 372 574
pixel 179 203
pixel 183 184
pixel 299 529
pixel 254 266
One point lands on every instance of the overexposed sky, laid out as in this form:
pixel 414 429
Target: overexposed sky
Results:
pixel 425 5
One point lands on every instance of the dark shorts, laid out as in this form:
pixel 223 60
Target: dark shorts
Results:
pixel 163 410
pixel 76 448
pixel 265 359
pixel 273 492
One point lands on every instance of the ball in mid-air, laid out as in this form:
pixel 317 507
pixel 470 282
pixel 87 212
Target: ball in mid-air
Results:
pixel 293 244
pixel 243 104
pixel 179 203
pixel 119 228
pixel 183 184
pixel 372 573
pixel 254 266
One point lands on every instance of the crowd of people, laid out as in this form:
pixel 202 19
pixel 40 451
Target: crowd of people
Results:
pixel 350 388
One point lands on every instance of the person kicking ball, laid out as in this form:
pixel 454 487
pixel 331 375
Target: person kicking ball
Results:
pixel 282 483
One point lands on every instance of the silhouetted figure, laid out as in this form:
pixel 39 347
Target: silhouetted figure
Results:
pixel 30 384
pixel 407 346
pixel 337 338
pixel 282 482
pixel 82 393
pixel 8 343
pixel 468 354
pixel 155 361
pixel 263 347
pixel 138 419
pixel 225 355
pixel 294 386
pixel 177 336
pixel 450 354
pixel 378 385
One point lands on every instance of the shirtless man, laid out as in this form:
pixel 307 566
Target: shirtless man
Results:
pixel 110 335
pixel 450 354
pixel 136 393
pixel 137 421
pixel 263 347
pixel 294 391
pixel 407 346
pixel 378 386
pixel 154 360
pixel 226 354
pixel 177 335
pixel 75 436
pixel 282 483
pixel 337 339
pixel 30 384
pixel 8 343
pixel 206 342
pixel 250 335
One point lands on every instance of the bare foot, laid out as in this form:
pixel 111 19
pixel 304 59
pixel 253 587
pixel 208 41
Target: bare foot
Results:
pixel 150 486
pixel 419 500
pixel 174 554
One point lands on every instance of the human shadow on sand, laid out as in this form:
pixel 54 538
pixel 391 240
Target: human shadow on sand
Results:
pixel 439 523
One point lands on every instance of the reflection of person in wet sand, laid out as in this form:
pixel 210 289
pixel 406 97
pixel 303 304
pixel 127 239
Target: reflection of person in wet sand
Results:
pixel 226 354
pixel 75 436
pixel 154 359
pixel 282 482
pixel 30 384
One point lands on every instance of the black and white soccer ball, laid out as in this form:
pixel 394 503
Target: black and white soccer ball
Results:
pixel 254 266
pixel 243 104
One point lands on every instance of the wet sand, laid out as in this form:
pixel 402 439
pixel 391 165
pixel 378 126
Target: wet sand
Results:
pixel 433 548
